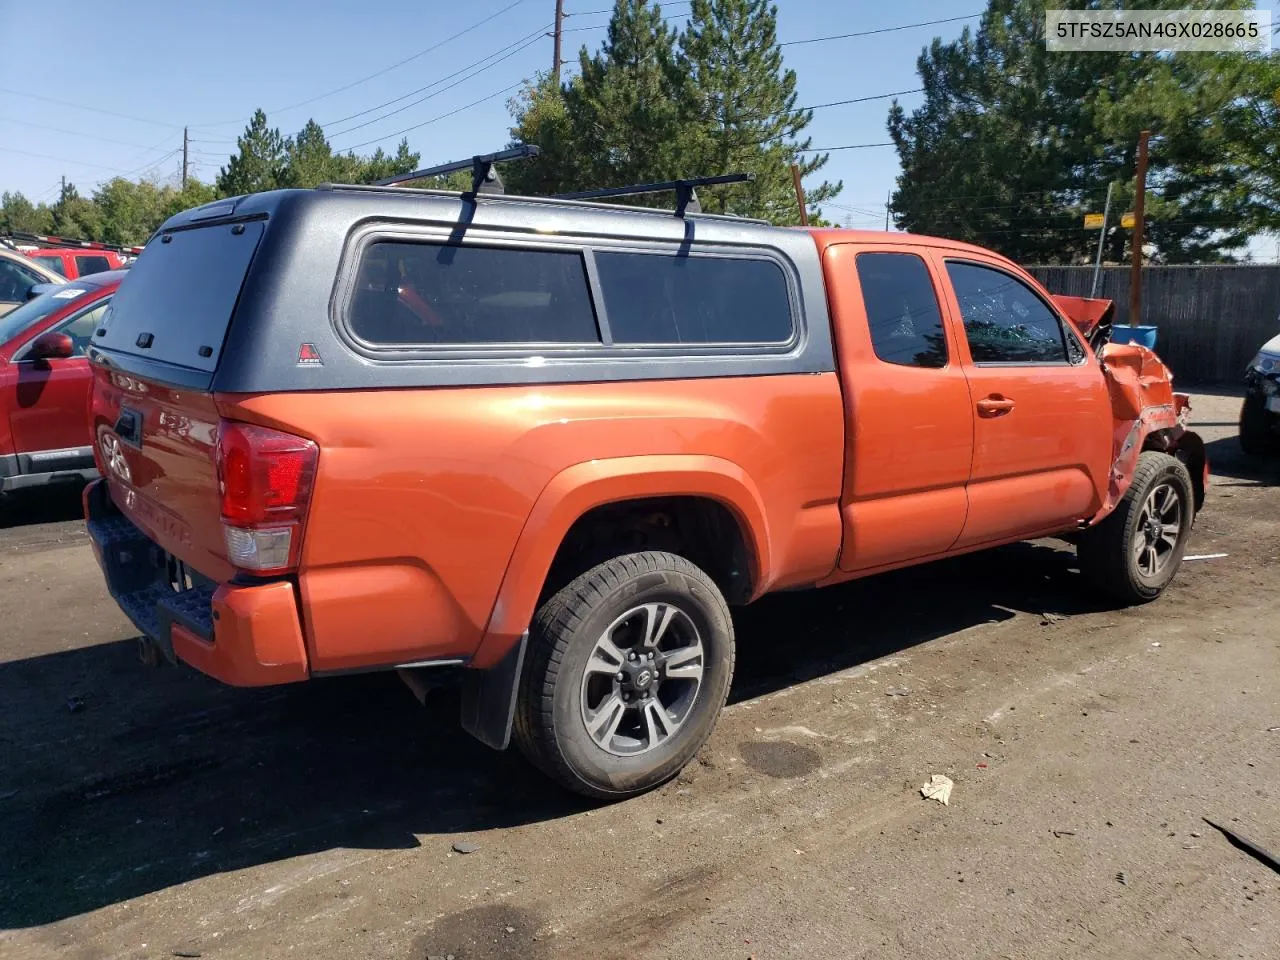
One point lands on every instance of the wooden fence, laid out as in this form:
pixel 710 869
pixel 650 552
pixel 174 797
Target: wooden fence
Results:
pixel 1211 320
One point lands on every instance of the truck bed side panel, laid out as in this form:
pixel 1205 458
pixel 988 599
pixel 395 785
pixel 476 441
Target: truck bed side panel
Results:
pixel 422 495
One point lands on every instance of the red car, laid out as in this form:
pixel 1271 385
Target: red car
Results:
pixel 74 263
pixel 45 381
pixel 72 258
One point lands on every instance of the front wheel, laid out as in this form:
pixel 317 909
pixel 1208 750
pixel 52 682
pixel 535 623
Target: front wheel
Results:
pixel 1257 427
pixel 628 669
pixel 1133 554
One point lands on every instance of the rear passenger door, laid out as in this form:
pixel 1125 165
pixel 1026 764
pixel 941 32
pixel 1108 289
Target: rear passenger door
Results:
pixel 909 433
pixel 1041 412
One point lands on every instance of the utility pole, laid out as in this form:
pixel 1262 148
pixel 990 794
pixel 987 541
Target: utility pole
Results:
pixel 185 144
pixel 64 187
pixel 555 64
pixel 888 202
pixel 800 201
pixel 1139 214
pixel 1102 239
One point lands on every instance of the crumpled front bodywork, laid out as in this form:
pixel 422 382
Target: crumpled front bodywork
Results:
pixel 1091 315
pixel 1146 415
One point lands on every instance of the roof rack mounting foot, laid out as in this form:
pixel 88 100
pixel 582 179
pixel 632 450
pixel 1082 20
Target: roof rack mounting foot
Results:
pixel 685 190
pixel 484 175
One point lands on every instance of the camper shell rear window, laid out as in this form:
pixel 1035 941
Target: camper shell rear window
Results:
pixel 176 303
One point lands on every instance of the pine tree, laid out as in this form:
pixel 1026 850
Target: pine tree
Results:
pixel 259 163
pixel 657 104
pixel 619 120
pixel 379 166
pixel 309 160
pixel 745 113
pixel 1013 144
pixel 76 216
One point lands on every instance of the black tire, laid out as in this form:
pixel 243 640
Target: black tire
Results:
pixel 1108 553
pixel 552 707
pixel 1257 427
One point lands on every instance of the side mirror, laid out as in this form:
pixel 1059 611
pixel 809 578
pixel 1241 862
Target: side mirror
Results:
pixel 52 346
pixel 38 288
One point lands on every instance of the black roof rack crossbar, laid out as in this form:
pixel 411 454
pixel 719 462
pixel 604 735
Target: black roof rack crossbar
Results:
pixel 686 190
pixel 484 175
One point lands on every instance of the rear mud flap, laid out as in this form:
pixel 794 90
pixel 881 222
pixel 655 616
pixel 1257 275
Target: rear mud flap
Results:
pixel 489 697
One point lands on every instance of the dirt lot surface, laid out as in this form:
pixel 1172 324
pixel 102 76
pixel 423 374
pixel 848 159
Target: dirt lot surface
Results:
pixel 153 814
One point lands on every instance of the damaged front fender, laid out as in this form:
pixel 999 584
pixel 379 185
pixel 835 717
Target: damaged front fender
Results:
pixel 1146 415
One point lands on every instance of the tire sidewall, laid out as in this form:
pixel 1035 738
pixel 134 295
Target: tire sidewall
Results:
pixel 1257 426
pixel 591 763
pixel 1175 474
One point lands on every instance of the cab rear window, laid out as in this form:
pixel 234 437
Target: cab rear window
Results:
pixel 176 303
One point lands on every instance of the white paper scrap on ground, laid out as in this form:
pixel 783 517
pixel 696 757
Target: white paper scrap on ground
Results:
pixel 1205 556
pixel 938 788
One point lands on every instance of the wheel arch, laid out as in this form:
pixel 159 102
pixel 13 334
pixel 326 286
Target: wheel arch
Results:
pixel 585 487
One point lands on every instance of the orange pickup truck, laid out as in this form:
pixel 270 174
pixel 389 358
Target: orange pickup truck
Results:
pixel 553 441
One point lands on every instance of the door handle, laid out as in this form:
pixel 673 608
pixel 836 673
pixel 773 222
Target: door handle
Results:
pixel 994 406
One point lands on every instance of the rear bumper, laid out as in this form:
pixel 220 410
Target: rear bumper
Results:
pixel 246 635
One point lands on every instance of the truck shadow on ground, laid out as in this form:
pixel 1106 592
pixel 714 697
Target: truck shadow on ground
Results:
pixel 1227 460
pixel 116 781
pixel 54 504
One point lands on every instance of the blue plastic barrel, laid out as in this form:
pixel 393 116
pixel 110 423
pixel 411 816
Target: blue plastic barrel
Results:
pixel 1123 333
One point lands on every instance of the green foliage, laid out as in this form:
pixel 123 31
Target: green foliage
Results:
pixel 1249 154
pixel 259 162
pixel 745 109
pixel 18 214
pixel 379 166
pixel 76 216
pixel 128 212
pixel 1013 144
pixel 659 104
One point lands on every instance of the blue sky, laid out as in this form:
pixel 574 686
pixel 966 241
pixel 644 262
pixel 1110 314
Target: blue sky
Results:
pixel 155 66
pixel 163 65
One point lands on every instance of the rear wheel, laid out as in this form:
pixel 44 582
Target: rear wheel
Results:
pixel 628 669
pixel 1133 554
pixel 1257 427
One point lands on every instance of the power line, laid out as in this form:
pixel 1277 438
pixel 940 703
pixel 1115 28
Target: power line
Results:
pixel 74 133
pixel 867 33
pixel 847 146
pixel 592 13
pixel 398 63
pixel 442 90
pixel 45 156
pixel 878 96
pixel 520 44
pixel 475 103
pixel 79 106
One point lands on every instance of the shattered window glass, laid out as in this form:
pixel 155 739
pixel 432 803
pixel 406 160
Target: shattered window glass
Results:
pixel 1004 321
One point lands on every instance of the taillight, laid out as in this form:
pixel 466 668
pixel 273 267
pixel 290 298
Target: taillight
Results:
pixel 264 480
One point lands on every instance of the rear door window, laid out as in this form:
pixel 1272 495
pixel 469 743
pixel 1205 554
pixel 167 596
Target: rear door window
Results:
pixel 902 309
pixel 424 294
pixel 658 298
pixel 175 304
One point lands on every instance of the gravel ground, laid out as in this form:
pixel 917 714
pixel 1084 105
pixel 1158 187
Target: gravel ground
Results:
pixel 152 814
